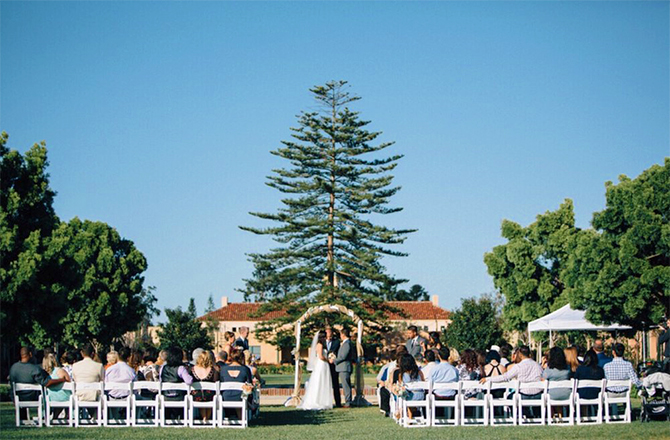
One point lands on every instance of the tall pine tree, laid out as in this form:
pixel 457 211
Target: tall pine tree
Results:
pixel 330 251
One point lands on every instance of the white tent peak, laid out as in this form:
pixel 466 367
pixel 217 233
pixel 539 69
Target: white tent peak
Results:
pixel 566 318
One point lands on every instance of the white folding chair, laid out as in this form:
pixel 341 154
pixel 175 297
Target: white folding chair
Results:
pixel 166 403
pixel 478 404
pixel 423 404
pixel 618 398
pixel 60 405
pixel 506 404
pixel 88 405
pixel 227 422
pixel 565 385
pixel 538 399
pixel 581 403
pixel 142 406
pixel 111 403
pixel 28 404
pixel 436 403
pixel 194 404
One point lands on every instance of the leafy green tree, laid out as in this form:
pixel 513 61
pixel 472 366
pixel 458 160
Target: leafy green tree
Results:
pixel 211 323
pixel 183 330
pixel 415 293
pixel 527 269
pixel 620 270
pixel 27 218
pixel 475 325
pixel 330 250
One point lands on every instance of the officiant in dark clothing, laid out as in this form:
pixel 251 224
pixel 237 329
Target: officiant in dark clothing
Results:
pixel 332 346
pixel 243 341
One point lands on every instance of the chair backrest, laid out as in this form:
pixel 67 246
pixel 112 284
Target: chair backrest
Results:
pixel 168 386
pixel 231 386
pixel 454 386
pixel 420 385
pixel 26 387
pixel 609 384
pixel 205 386
pixel 147 385
pixel 541 385
pixel 123 386
pixel 589 383
pixel 561 384
pixel 88 386
pixel 65 386
pixel 473 385
pixel 511 385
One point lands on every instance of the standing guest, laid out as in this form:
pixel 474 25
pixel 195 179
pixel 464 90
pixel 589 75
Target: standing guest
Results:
pixel 243 341
pixel 590 370
pixel 557 369
pixel 112 358
pixel 415 343
pixel 444 372
pixel 236 371
pixel 204 371
pixel 408 373
pixel 332 347
pixel 599 348
pixel 431 361
pixel 571 358
pixel 88 370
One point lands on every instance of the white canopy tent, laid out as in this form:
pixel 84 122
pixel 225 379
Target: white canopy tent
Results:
pixel 565 319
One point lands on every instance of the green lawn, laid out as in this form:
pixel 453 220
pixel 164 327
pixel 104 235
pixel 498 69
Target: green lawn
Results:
pixel 287 379
pixel 367 423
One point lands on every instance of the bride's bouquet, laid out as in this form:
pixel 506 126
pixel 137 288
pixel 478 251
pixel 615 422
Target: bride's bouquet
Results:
pixel 400 391
pixel 332 357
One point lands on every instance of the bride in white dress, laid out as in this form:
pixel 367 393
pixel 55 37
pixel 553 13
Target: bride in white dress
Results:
pixel 319 388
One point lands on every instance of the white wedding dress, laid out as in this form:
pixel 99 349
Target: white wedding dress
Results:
pixel 319 388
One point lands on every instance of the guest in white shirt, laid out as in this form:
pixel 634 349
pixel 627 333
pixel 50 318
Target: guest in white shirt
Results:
pixel 431 361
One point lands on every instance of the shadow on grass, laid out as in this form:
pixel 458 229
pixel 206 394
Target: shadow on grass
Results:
pixel 287 417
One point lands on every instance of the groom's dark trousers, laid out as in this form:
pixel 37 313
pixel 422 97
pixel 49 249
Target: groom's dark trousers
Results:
pixel 336 385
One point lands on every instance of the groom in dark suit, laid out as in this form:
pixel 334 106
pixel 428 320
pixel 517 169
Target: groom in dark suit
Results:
pixel 346 356
pixel 333 346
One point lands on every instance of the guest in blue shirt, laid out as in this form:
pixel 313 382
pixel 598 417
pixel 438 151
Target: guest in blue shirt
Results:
pixel 599 348
pixel 443 372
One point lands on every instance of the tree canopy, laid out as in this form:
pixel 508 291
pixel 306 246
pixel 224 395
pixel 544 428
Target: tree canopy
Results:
pixel 69 282
pixel 183 330
pixel 329 249
pixel 476 324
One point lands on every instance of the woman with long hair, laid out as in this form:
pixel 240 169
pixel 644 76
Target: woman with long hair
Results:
pixel 409 372
pixel 557 369
pixel 571 359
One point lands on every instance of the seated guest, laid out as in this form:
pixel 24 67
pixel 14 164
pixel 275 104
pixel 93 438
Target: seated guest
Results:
pixel 505 352
pixel 67 360
pixel 383 377
pixel 149 368
pixel 590 370
pixel 469 369
pixel 408 373
pixel 162 358
pixel 599 348
pixel 620 369
pixel 56 392
pixel 135 361
pixel 112 358
pixel 527 370
pixel 443 372
pixel 120 372
pixel 88 371
pixel 571 358
pixel 433 341
pixel 195 355
pixel 174 371
pixel 236 371
pixel 454 357
pixel 221 359
pixel 431 361
pixel 204 371
pixel 557 369
pixel 493 366
pixel 24 371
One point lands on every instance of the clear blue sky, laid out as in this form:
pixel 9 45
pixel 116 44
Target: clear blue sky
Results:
pixel 159 117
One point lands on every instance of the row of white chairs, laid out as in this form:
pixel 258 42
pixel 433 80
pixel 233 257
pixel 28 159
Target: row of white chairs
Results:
pixel 512 408
pixel 139 410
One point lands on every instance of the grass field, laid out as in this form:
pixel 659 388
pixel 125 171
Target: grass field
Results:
pixel 356 423
pixel 286 379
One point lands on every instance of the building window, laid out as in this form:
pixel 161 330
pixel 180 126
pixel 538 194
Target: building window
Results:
pixel 234 329
pixel 255 351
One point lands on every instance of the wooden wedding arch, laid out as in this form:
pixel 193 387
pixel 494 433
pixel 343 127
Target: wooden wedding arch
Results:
pixel 359 400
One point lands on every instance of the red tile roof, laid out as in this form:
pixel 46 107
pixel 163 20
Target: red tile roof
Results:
pixel 415 310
